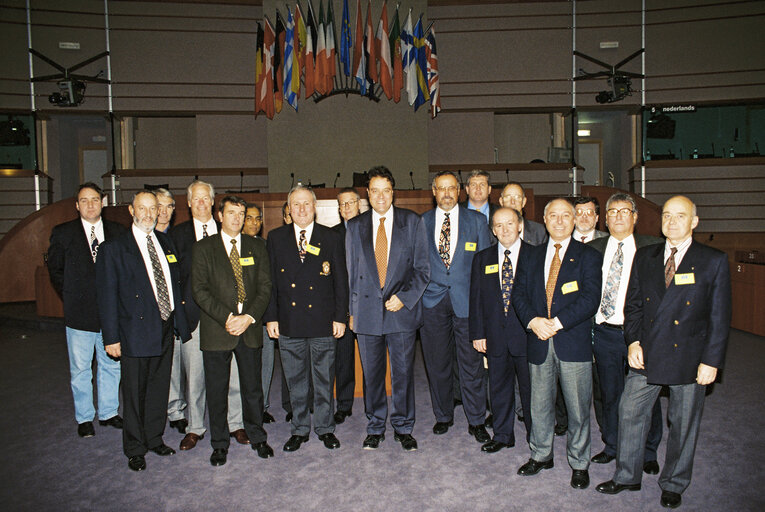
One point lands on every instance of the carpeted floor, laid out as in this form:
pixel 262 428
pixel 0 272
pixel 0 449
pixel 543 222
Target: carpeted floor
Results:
pixel 47 467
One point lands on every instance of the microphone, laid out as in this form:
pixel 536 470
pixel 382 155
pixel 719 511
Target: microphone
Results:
pixel 459 173
pixel 411 174
pixel 507 175
pixel 334 185
pixel 292 183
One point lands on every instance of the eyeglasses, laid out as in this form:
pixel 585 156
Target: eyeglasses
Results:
pixel 450 188
pixel 346 204
pixel 515 197
pixel 623 212
pixel 582 212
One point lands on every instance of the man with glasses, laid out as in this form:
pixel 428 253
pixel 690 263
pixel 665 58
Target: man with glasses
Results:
pixel 587 210
pixel 513 196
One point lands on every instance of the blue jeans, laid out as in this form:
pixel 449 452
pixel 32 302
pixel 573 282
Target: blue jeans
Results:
pixel 80 345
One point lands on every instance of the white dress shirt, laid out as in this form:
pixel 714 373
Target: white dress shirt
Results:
pixel 308 232
pixel 578 235
pixel 454 218
pixel 140 238
pixel 514 250
pixel 628 251
pixel 212 228
pixel 681 250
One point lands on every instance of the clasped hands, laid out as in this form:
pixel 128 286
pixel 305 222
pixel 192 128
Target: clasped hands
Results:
pixel 544 328
pixel 237 324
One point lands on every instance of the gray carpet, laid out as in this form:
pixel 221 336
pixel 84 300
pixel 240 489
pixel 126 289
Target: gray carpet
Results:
pixel 47 467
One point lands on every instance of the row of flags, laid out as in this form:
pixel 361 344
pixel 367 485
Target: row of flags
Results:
pixel 300 51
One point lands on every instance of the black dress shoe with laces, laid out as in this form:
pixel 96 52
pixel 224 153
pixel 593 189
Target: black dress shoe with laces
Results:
pixel 408 443
pixel 264 451
pixel 330 441
pixel 288 417
pixel 580 479
pixel 86 429
pixel 267 418
pixel 495 446
pixel 341 415
pixel 612 487
pixel 180 425
pixel 115 421
pixel 670 499
pixel 163 450
pixel 442 427
pixel 651 467
pixel 532 467
pixel 372 441
pixel 294 442
pixel 479 432
pixel 602 458
pixel 218 457
pixel 560 430
pixel 489 421
pixel 137 463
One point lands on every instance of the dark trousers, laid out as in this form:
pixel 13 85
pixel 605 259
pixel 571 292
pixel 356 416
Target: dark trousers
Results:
pixel 217 365
pixel 345 370
pixel 442 333
pixel 286 405
pixel 611 364
pixel 145 388
pixel 373 350
pixel 504 370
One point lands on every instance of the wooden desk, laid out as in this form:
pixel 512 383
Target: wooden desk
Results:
pixel 748 297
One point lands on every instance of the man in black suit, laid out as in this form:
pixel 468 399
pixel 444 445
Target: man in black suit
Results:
pixel 307 313
pixel 513 196
pixel 139 299
pixel 478 190
pixel 71 264
pixel 495 329
pixel 348 202
pixel 231 283
pixel 608 341
pixel 676 324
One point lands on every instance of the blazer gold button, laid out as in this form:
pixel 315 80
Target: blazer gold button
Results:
pixel 309 306
pixel 293 285
pixel 675 345
pixel 310 287
pixel 688 303
pixel 293 304
pixel 282 270
pixel 648 299
pixel 677 323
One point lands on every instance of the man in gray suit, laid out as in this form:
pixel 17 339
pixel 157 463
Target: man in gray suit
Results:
pixel 513 196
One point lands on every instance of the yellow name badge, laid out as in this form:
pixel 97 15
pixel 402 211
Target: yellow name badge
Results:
pixel 247 261
pixel 688 278
pixel 492 269
pixel 569 287
pixel 470 246
pixel 171 258
pixel 313 250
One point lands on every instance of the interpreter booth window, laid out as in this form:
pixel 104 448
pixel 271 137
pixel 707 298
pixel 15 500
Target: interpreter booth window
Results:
pixel 689 132
pixel 17 142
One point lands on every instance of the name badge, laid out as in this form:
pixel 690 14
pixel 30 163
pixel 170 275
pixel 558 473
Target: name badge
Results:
pixel 688 278
pixel 470 246
pixel 313 250
pixel 492 269
pixel 171 258
pixel 247 261
pixel 569 287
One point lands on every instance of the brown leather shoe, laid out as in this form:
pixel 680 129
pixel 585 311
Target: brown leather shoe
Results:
pixel 241 436
pixel 190 441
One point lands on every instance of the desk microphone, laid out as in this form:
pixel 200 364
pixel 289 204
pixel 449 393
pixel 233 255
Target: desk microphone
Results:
pixel 292 183
pixel 459 173
pixel 334 185
pixel 507 175
pixel 411 178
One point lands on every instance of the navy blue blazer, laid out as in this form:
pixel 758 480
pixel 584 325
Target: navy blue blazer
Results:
pixel 488 321
pixel 472 236
pixel 126 302
pixel 307 296
pixel 575 300
pixel 407 276
pixel 73 273
pixel 683 325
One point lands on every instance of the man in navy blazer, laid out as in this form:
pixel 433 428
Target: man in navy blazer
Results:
pixel 388 271
pixel 556 294
pixel 455 235
pixel 676 325
pixel 495 329
pixel 71 264
pixel 141 309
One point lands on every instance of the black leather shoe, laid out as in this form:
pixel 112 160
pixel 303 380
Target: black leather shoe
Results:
pixel 137 463
pixel 580 479
pixel 218 457
pixel 163 450
pixel 495 446
pixel 560 430
pixel 489 421
pixel 612 487
pixel 288 418
pixel 670 499
pixel 479 432
pixel 180 425
pixel 86 429
pixel 115 421
pixel 267 418
pixel 264 451
pixel 602 458
pixel 330 441
pixel 651 467
pixel 532 467
pixel 372 441
pixel 341 415
pixel 442 427
pixel 408 443
pixel 294 442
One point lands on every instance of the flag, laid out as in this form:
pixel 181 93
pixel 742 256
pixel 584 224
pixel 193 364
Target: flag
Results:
pixel 395 50
pixel 301 36
pixel 421 66
pixel 383 52
pixel 408 57
pixel 369 46
pixel 259 72
pixel 290 62
pixel 279 63
pixel 345 41
pixel 320 73
pixel 359 58
pixel 310 56
pixel 330 44
pixel 434 87
pixel 266 91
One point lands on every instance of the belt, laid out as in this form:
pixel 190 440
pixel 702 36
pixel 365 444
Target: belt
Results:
pixel 612 326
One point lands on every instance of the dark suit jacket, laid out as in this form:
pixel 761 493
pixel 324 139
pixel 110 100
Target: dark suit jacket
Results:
pixel 487 315
pixel 126 302
pixel 307 296
pixel 581 265
pixel 455 281
pixel 492 208
pixel 214 288
pixel 73 273
pixel 407 276
pixel 683 325
pixel 534 233
pixel 184 238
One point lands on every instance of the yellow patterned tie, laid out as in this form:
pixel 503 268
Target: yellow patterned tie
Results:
pixel 381 252
pixel 237 266
pixel 552 278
